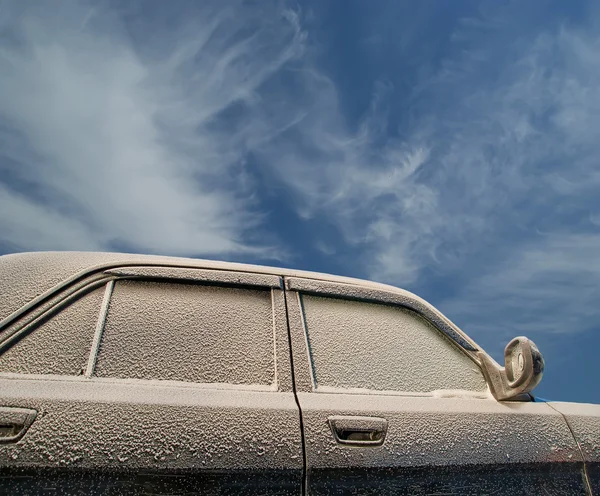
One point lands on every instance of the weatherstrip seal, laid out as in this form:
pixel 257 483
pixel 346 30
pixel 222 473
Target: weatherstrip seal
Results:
pixel 99 329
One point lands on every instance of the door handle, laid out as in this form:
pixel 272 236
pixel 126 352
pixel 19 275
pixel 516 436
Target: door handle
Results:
pixel 14 423
pixel 358 431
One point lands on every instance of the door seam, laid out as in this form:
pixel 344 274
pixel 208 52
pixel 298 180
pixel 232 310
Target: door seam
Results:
pixel 585 472
pixel 304 487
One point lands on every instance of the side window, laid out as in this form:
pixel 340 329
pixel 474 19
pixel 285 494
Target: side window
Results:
pixel 379 347
pixel 60 345
pixel 188 332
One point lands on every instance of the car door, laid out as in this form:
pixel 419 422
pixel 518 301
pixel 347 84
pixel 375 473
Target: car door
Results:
pixel 151 380
pixel 393 402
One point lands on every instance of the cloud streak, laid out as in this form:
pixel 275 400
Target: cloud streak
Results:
pixel 490 191
pixel 108 142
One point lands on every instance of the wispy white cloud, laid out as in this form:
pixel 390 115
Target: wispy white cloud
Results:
pixel 492 187
pixel 530 168
pixel 549 286
pixel 109 133
pixel 361 181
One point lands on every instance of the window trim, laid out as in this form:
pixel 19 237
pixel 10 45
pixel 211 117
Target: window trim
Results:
pixel 166 277
pixel 99 331
pixel 402 299
pixel 30 322
pixel 206 276
pixel 45 306
pixel 303 365
pixel 104 272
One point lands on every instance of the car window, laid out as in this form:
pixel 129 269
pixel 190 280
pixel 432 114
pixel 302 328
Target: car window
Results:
pixel 185 332
pixel 373 346
pixel 60 345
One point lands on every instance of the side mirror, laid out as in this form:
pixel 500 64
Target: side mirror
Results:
pixel 522 371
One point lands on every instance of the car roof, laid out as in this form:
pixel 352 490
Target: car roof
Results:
pixel 24 276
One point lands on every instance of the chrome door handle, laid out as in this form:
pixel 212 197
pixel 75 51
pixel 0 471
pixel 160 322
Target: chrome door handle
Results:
pixel 358 431
pixel 14 423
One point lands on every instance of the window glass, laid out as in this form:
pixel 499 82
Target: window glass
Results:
pixel 61 345
pixel 194 333
pixel 379 347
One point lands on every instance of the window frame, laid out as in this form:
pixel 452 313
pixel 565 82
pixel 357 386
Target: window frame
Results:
pixel 303 366
pixel 37 312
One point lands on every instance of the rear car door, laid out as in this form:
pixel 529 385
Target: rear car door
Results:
pixel 393 402
pixel 151 380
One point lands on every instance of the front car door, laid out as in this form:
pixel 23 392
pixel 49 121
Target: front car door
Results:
pixel 393 401
pixel 151 380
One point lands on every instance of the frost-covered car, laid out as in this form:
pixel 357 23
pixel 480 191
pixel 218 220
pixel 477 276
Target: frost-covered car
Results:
pixel 130 374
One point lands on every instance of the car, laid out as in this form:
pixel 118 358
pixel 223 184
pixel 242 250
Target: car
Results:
pixel 135 374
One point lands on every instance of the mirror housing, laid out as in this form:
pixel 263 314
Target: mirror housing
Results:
pixel 522 371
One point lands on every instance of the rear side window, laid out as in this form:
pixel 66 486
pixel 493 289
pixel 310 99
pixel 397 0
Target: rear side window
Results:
pixel 185 332
pixel 60 345
pixel 379 347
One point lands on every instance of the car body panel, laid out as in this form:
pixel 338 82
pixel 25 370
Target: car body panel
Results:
pixel 108 426
pixel 435 444
pixel 584 422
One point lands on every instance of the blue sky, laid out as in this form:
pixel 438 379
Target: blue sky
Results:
pixel 448 148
